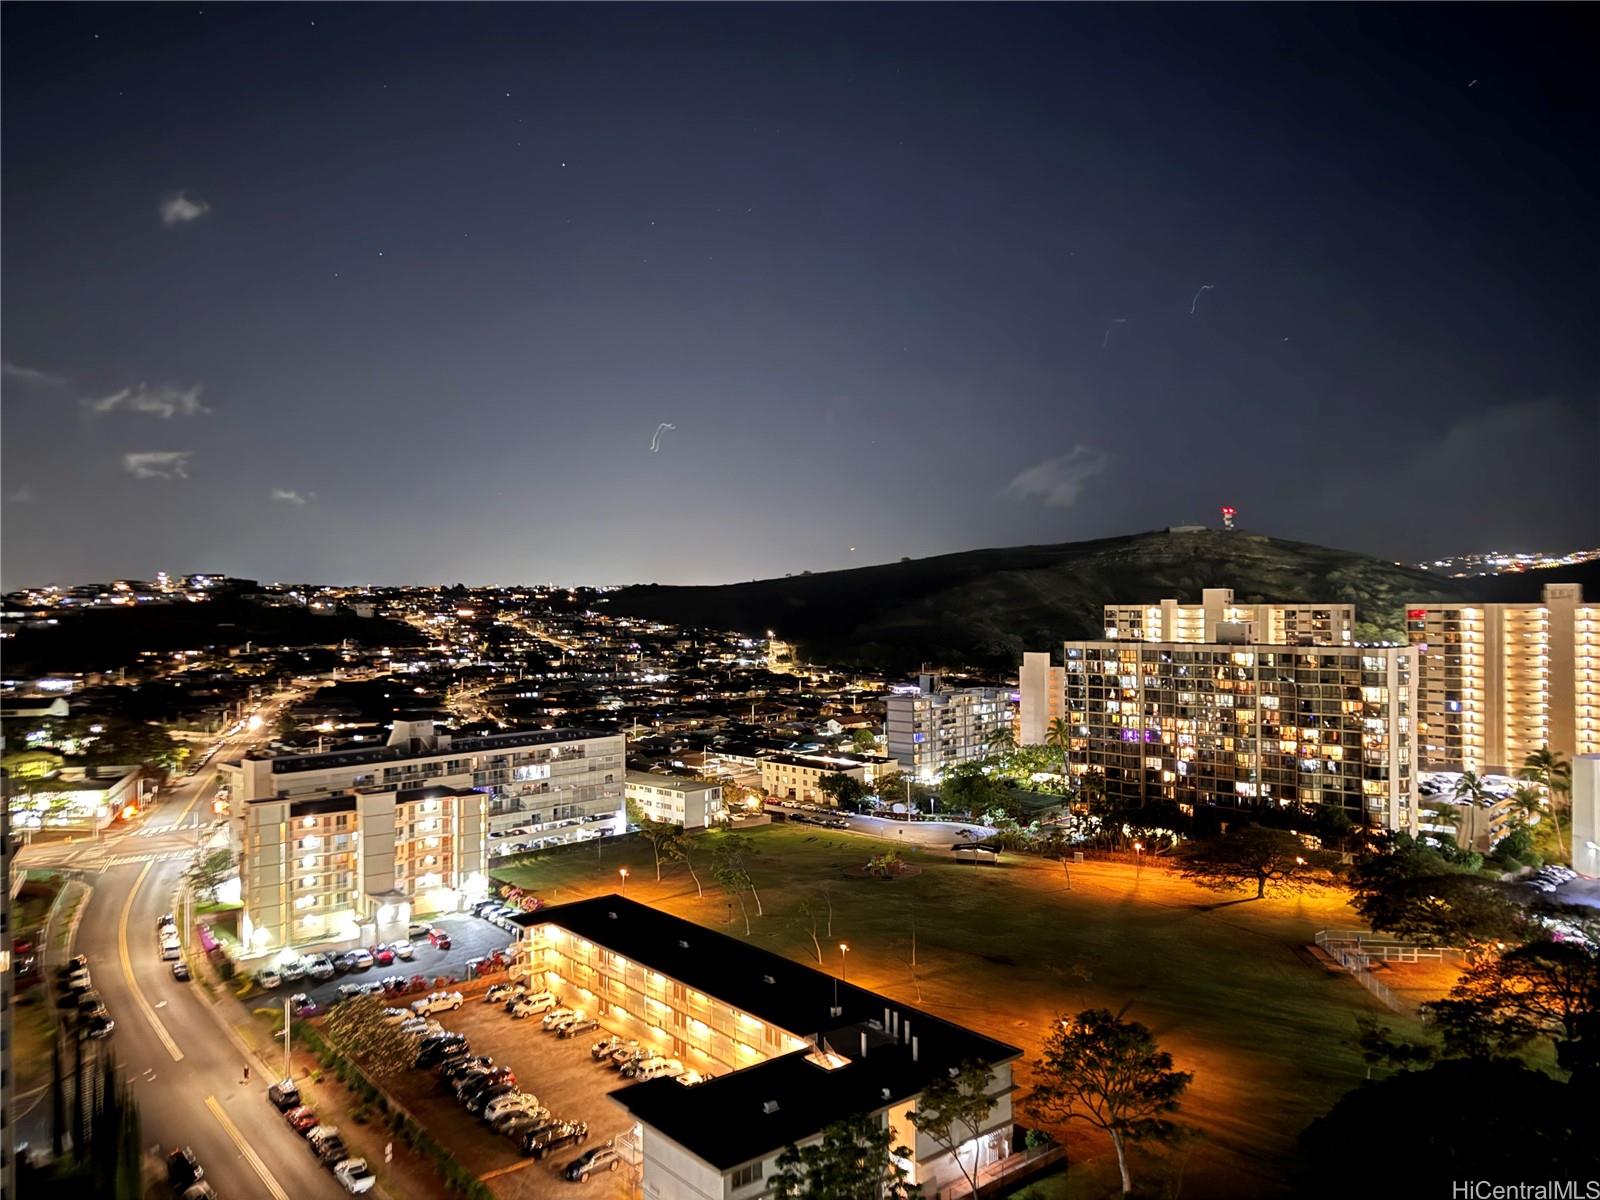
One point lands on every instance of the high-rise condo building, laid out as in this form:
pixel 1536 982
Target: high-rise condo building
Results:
pixel 1218 619
pixel 1235 727
pixel 1501 680
pixel 1041 693
pixel 933 728
pixel 348 844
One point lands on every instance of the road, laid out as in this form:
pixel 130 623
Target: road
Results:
pixel 940 835
pixel 185 1068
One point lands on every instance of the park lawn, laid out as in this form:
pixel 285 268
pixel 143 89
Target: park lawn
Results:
pixel 1222 981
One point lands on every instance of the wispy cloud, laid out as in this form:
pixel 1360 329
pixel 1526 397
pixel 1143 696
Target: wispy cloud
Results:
pixel 158 464
pixel 1058 482
pixel 164 400
pixel 178 209
pixel 30 375
pixel 288 496
pixel 23 495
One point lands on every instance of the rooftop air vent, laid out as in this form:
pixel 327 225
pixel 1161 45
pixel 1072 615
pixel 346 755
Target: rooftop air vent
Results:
pixel 885 1093
pixel 682 945
pixel 612 915
pixel 769 1106
pixel 768 979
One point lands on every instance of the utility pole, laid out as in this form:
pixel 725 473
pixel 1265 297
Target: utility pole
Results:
pixel 288 1067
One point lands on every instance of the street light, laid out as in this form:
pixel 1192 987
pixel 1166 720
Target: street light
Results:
pixel 624 873
pixel 1138 860
pixel 844 948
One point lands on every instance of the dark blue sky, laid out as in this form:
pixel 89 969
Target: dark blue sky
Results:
pixel 905 279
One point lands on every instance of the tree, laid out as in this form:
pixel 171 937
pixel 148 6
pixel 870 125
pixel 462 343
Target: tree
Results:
pixel 728 869
pixel 863 740
pixel 1266 858
pixel 952 1110
pixel 658 833
pixel 358 1026
pixel 1110 1074
pixel 208 871
pixel 1059 737
pixel 852 1161
pixel 1543 988
pixel 967 789
pixel 1412 891
pixel 1002 740
pixel 123 742
pixel 677 850
pixel 1092 790
pixel 1379 1047
pixel 846 791
pixel 1550 769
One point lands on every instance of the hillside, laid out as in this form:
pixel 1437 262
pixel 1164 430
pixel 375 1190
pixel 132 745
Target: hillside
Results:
pixel 982 608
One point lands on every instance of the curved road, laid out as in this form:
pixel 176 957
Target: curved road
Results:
pixel 185 1066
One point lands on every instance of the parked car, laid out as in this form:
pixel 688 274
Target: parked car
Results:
pixel 332 1151
pixel 504 992
pixel 632 1053
pixel 349 991
pixel 319 967
pixel 638 1067
pixel 510 1102
pixel 303 1005
pixel 607 1046
pixel 417 929
pixel 99 1026
pixel 601 1158
pixel 166 921
pixel 518 1125
pixel 577 1027
pixel 439 938
pixel 382 955
pixel 486 1078
pixel 394 1016
pixel 555 1137
pixel 183 1169
pixel 302 1120
pixel 558 1020
pixel 268 978
pixel 460 1070
pixel 284 1095
pixel 372 987
pixel 171 950
pixel 393 983
pixel 483 906
pixel 360 960
pixel 434 1051
pixel 475 1100
pixel 342 961
pixel 531 1006
pixel 669 1068
pixel 200 1191
pixel 293 970
pixel 402 950
pixel 420 1026
pixel 353 1175
pixel 180 971
pixel 437 1002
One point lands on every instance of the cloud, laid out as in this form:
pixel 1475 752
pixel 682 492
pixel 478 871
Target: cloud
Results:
pixel 1058 482
pixel 29 375
pixel 178 209
pixel 158 464
pixel 23 495
pixel 165 401
pixel 287 496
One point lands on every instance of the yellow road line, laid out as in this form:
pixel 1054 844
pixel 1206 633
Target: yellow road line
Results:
pixel 194 799
pixel 250 1156
pixel 127 970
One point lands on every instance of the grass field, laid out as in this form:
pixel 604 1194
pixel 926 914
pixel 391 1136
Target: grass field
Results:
pixel 1224 984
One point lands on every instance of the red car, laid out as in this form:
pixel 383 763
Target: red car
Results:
pixel 381 955
pixel 439 938
pixel 418 983
pixel 302 1120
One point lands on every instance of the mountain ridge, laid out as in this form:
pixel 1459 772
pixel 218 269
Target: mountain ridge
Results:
pixel 982 608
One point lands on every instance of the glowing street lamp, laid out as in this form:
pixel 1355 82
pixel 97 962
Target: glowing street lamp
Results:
pixel 624 873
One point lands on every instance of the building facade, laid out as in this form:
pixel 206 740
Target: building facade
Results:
pixel 1499 681
pixel 348 844
pixel 933 728
pixel 692 803
pixel 778 1050
pixel 1217 618
pixel 1241 727
pixel 1041 693
pixel 1586 815
pixel 798 777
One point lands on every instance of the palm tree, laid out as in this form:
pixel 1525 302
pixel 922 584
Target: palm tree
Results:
pixel 1059 737
pixel 1091 787
pixel 1529 802
pixel 1471 793
pixel 1549 768
pixel 1002 740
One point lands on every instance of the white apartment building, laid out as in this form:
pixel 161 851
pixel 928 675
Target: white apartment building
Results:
pixel 933 728
pixel 1586 815
pixel 1217 618
pixel 692 803
pixel 788 1049
pixel 348 844
pixel 798 777
pixel 1235 726
pixel 1041 696
pixel 1501 680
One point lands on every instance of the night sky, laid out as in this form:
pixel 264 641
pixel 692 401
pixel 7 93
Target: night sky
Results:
pixel 403 294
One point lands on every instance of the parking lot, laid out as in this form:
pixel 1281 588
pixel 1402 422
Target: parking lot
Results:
pixel 469 938
pixel 560 1071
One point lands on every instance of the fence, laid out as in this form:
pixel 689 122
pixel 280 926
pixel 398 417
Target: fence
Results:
pixel 1010 1171
pixel 1357 949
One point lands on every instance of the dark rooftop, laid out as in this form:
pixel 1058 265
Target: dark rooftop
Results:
pixel 725 1120
pixel 285 764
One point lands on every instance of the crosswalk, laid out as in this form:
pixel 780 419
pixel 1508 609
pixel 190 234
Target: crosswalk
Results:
pixel 123 860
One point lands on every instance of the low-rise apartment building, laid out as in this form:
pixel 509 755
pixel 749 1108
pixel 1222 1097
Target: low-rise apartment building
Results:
pixel 798 777
pixel 782 1050
pixel 933 728
pixel 692 803
pixel 1499 681
pixel 347 844
pixel 1217 618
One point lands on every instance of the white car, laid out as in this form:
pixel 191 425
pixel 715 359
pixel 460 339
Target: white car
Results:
pixel 395 1016
pixel 557 1015
pixel 510 1102
pixel 437 1002
pixel 402 950
pixel 670 1068
pixel 420 1026
pixel 531 1006
pixel 352 1173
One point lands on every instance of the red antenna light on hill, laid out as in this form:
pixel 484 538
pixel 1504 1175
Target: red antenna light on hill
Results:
pixel 1228 512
